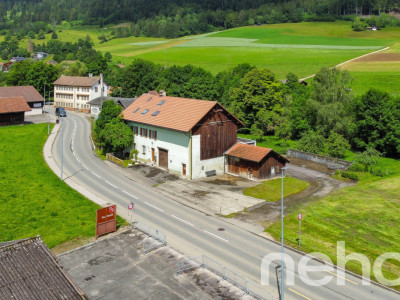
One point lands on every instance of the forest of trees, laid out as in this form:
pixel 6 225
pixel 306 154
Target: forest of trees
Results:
pixel 173 18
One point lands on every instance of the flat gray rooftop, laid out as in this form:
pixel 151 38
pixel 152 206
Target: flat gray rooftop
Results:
pixel 115 268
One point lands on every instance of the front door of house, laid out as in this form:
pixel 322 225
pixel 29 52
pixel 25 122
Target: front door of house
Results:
pixel 163 158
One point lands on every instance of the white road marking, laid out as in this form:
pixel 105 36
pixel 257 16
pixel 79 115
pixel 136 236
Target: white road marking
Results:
pixel 111 184
pixel 85 167
pixel 95 175
pixel 129 194
pixel 184 221
pixel 218 237
pixel 154 206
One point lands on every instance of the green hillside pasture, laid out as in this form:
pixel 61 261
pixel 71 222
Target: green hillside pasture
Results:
pixel 316 33
pixel 380 75
pixel 281 61
pixel 366 217
pixel 33 199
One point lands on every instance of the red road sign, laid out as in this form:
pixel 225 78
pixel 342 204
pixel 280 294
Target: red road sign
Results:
pixel 111 209
pixel 299 216
pixel 131 205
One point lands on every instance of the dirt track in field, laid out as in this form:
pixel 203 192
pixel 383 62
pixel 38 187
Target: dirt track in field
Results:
pixel 379 57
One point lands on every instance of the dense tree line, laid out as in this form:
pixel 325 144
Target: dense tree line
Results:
pixel 324 115
pixel 172 18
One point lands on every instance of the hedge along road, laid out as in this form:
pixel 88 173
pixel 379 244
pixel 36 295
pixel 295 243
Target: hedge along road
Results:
pixel 189 231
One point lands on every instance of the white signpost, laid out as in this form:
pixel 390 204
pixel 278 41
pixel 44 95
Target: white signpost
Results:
pixel 131 208
pixel 299 217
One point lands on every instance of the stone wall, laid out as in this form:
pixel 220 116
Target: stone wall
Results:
pixel 332 163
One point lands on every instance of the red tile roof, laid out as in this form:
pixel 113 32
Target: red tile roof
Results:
pixel 174 113
pixel 29 93
pixel 249 152
pixel 76 81
pixel 13 105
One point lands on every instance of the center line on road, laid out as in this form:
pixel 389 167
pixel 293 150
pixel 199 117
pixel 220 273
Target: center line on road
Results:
pixel 95 174
pixel 218 237
pixel 153 206
pixel 342 277
pixel 129 194
pixel 301 295
pixel 85 167
pixel 184 221
pixel 111 184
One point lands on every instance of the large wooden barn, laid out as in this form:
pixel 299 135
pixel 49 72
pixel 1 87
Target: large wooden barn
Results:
pixel 12 110
pixel 253 162
pixel 186 136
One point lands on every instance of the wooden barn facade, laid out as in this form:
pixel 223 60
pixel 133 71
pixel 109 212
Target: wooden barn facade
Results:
pixel 253 162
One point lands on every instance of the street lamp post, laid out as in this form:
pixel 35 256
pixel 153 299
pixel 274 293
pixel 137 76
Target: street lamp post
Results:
pixel 62 147
pixel 282 247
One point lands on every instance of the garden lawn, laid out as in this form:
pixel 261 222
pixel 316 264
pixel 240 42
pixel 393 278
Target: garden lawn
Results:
pixel 365 216
pixel 33 200
pixel 270 190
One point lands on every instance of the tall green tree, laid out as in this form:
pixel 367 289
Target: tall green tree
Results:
pixel 332 101
pixel 116 136
pixel 258 100
pixel 110 110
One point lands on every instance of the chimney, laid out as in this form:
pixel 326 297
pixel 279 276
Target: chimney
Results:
pixel 90 74
pixel 163 93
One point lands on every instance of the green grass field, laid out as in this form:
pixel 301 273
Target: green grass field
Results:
pixel 379 75
pixel 365 216
pixel 33 199
pixel 279 146
pixel 270 190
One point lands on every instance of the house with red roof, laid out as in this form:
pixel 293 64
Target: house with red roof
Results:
pixel 12 110
pixel 253 162
pixel 195 138
pixel 185 136
pixel 29 93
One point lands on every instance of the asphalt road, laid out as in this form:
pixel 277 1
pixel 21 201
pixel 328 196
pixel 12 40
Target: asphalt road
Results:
pixel 192 232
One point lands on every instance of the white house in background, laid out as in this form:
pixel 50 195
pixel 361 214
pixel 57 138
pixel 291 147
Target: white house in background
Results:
pixel 186 136
pixel 74 92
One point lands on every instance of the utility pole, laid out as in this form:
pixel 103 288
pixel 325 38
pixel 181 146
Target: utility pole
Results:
pixel 282 246
pixel 62 147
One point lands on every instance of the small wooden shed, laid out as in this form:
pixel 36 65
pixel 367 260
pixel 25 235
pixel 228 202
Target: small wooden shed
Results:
pixel 253 162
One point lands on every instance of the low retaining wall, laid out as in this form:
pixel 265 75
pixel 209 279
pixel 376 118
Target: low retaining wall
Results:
pixel 332 163
pixel 114 159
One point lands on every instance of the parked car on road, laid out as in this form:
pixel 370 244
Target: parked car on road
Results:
pixel 61 112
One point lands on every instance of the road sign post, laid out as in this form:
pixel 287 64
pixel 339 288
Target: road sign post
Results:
pixel 131 208
pixel 299 217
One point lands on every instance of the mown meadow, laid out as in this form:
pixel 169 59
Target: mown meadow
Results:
pixel 33 199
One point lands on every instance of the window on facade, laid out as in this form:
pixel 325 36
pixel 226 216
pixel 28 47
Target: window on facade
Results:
pixel 143 132
pixel 153 134
pixel 96 89
pixel 144 149
pixel 135 130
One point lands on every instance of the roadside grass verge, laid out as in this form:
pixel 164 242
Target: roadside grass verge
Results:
pixel 33 199
pixel 366 216
pixel 270 190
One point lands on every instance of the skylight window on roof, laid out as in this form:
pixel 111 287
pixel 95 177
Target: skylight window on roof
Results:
pixel 149 99
pixel 161 102
pixel 145 111
pixel 136 109
pixel 155 113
